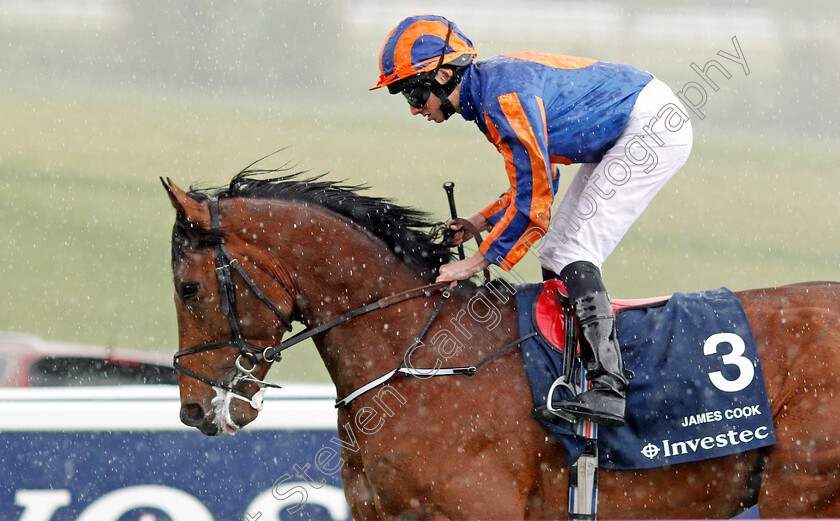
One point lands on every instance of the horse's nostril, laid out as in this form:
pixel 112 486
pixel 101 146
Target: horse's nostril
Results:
pixel 192 414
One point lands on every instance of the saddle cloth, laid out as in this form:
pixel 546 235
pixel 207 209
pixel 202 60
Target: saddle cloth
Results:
pixel 698 390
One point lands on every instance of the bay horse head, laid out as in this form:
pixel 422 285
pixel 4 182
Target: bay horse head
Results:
pixel 238 256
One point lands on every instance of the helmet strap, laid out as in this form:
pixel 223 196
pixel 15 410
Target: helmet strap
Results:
pixel 443 91
pixel 446 107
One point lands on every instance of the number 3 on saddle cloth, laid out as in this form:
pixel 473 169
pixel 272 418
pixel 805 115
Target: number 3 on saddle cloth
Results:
pixel 698 390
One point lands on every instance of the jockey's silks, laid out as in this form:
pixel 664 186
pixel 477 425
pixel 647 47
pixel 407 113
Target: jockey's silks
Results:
pixel 538 109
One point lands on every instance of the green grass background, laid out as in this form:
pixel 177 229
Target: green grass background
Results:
pixel 85 250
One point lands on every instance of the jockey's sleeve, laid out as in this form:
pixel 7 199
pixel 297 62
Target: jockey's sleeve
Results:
pixel 516 124
pixel 494 211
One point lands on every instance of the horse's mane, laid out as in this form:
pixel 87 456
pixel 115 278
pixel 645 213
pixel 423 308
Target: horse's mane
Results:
pixel 408 233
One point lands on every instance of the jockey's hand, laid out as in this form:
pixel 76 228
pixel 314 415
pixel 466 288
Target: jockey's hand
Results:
pixel 462 269
pixel 461 236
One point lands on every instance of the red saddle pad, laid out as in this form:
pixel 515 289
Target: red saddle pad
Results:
pixel 551 318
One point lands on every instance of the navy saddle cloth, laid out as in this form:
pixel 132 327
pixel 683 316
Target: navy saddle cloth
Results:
pixel 698 390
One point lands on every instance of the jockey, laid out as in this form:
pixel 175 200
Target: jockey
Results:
pixel 626 129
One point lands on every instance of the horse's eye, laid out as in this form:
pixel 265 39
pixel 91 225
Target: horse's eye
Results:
pixel 188 289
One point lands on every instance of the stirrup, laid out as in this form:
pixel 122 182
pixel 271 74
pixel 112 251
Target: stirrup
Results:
pixel 548 411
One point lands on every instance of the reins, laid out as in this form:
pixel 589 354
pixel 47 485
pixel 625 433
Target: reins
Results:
pixel 269 353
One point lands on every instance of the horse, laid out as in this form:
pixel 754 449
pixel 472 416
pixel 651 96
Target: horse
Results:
pixel 252 257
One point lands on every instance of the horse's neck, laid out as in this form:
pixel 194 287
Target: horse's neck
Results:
pixel 340 268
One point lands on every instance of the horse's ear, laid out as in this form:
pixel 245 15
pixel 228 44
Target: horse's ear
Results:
pixel 188 208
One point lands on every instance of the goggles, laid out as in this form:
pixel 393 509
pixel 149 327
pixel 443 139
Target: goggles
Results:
pixel 417 94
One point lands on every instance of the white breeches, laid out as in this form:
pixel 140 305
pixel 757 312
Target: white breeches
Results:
pixel 605 198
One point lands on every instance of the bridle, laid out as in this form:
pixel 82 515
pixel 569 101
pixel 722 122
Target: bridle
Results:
pixel 254 354
pixel 224 262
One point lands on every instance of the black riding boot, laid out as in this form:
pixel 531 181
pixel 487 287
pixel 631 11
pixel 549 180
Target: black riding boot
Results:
pixel 603 403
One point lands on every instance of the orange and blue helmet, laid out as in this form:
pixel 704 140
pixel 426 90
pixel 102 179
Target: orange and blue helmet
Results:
pixel 421 44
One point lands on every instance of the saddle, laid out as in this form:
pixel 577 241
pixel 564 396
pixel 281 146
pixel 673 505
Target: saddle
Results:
pixel 552 313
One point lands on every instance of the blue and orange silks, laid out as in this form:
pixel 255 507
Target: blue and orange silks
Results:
pixel 538 109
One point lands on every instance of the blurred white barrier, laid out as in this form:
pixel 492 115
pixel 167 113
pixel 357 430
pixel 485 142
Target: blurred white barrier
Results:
pixel 115 453
pixel 150 407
